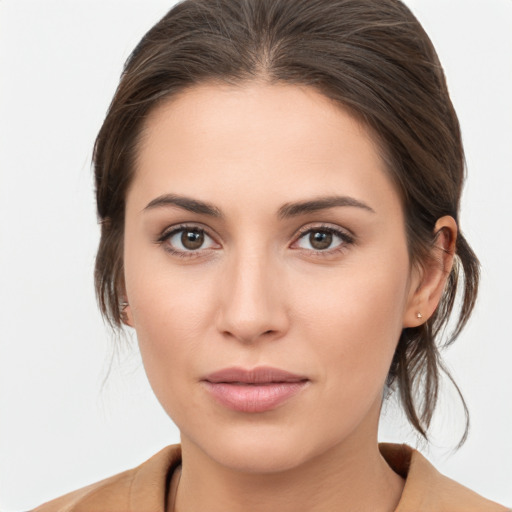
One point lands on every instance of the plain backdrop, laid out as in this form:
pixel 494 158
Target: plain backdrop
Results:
pixel 63 426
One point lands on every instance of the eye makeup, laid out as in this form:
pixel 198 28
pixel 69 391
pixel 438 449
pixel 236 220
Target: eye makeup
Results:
pixel 193 240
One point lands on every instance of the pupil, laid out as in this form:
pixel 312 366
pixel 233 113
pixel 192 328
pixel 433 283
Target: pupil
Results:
pixel 192 239
pixel 320 240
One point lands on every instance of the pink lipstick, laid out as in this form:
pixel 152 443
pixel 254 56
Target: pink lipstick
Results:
pixel 258 390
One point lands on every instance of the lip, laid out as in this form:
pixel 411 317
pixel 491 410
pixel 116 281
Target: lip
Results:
pixel 253 390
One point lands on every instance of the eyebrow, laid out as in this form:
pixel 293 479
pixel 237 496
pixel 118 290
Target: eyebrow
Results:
pixel 320 203
pixel 186 203
pixel 286 211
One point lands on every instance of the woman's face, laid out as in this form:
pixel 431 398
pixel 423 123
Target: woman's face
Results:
pixel 264 236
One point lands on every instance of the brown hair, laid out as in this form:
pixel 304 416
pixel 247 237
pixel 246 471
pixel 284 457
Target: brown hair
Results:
pixel 372 57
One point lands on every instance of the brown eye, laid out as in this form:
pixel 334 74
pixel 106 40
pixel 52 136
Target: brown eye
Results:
pixel 192 240
pixel 323 239
pixel 320 240
pixel 187 240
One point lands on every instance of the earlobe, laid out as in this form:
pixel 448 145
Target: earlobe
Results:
pixel 429 284
pixel 126 313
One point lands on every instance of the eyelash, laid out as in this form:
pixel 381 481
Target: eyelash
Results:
pixel 169 233
pixel 346 240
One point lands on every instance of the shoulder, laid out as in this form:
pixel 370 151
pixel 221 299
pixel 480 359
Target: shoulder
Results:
pixel 427 490
pixel 145 485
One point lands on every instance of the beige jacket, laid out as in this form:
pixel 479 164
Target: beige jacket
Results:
pixel 144 488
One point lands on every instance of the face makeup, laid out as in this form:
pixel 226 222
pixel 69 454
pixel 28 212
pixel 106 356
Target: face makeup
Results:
pixel 267 272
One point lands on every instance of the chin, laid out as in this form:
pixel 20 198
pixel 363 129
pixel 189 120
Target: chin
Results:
pixel 259 454
pixel 261 448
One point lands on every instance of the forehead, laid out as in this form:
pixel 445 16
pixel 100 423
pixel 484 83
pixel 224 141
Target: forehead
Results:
pixel 288 138
pixel 215 111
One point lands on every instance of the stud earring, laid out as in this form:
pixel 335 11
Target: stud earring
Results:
pixel 419 315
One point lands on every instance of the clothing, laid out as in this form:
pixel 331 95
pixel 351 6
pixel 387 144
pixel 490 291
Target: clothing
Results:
pixel 145 488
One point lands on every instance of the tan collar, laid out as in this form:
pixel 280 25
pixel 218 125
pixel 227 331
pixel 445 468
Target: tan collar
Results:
pixel 146 487
pixel 427 490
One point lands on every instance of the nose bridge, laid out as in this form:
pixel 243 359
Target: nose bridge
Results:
pixel 251 304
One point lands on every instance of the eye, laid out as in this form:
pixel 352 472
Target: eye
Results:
pixel 185 239
pixel 323 239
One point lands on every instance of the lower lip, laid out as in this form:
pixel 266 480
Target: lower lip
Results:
pixel 254 398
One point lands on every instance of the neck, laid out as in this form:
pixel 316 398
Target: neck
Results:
pixel 350 476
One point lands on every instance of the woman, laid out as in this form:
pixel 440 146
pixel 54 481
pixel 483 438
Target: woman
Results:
pixel 278 185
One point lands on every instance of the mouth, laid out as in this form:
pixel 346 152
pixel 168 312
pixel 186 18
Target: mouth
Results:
pixel 257 390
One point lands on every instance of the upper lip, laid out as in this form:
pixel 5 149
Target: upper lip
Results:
pixel 259 375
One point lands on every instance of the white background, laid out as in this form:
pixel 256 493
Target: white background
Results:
pixel 60 428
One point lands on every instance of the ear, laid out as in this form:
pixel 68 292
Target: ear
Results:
pixel 124 305
pixel 429 279
pixel 126 313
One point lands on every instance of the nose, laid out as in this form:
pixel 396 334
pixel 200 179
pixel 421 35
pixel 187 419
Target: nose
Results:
pixel 252 300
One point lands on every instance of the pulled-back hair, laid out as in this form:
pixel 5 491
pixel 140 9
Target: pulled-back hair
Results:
pixel 374 59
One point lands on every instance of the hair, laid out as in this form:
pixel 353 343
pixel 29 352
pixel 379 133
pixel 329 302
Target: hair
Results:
pixel 373 58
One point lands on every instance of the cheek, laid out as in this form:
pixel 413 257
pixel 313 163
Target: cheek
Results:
pixel 172 313
pixel 354 319
pixel 168 325
pixel 168 302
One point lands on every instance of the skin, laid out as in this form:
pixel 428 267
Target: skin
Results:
pixel 258 293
